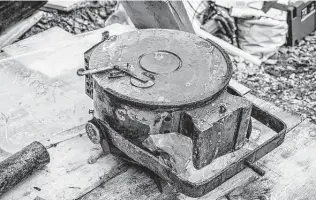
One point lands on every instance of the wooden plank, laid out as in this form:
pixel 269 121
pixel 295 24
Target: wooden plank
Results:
pixel 230 49
pixel 68 175
pixel 65 6
pixel 38 106
pixel 132 184
pixel 11 34
pixel 38 41
pixel 291 169
pixel 158 14
pixel 12 12
pixel 239 87
pixel 281 168
pixel 58 50
pixel 63 136
pixel 44 112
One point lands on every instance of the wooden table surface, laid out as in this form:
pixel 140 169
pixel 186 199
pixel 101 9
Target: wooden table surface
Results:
pixel 79 170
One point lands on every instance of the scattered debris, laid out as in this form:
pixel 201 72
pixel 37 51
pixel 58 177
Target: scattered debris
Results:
pixel 290 83
pixel 37 188
pixel 91 17
pixel 75 187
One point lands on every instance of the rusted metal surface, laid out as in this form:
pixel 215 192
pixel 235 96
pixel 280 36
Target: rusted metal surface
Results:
pixel 197 188
pixel 188 98
pixel 216 129
pixel 193 70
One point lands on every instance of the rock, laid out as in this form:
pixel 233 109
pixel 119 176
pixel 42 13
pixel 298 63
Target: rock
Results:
pixel 283 50
pixel 77 25
pixel 77 30
pixel 308 38
pixel 241 66
pixel 103 13
pixel 271 62
pixel 100 22
pixel 81 21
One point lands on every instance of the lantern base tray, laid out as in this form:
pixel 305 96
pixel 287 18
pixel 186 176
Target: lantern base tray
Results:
pixel 267 133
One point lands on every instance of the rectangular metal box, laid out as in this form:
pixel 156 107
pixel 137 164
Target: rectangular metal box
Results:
pixel 301 19
pixel 213 133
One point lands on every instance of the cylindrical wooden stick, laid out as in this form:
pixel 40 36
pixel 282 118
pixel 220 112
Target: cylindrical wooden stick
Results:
pixel 22 164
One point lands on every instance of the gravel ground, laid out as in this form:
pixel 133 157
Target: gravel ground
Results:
pixel 288 81
pixel 89 16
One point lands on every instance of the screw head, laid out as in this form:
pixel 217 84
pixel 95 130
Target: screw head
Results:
pixel 222 109
pixel 80 72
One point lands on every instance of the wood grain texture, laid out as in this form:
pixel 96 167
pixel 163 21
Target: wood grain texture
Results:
pixel 12 33
pixel 132 184
pixel 158 14
pixel 63 5
pixel 48 96
pixel 291 169
pixel 69 175
pixel 11 12
pixel 238 87
pixel 21 165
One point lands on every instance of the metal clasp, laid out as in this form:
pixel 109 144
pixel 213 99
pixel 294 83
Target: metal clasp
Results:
pixel 137 79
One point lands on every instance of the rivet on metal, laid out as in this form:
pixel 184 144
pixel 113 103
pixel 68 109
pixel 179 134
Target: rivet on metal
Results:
pixel 91 112
pixel 222 108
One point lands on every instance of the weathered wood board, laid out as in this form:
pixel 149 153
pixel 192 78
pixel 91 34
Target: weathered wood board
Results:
pixel 53 52
pixel 68 175
pixel 63 5
pixel 12 33
pixel 132 184
pixel 238 87
pixel 291 169
pixel 38 106
pixel 158 14
pixel 48 96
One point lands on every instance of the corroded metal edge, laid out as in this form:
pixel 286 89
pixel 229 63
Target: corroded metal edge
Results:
pixel 199 189
pixel 163 105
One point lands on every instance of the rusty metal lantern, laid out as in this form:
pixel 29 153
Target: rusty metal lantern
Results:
pixel 184 91
pixel 158 82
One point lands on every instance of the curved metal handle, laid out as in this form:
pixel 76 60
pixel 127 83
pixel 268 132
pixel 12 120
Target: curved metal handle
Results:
pixel 82 72
pixel 142 80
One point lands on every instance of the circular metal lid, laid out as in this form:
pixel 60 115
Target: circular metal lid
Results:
pixel 184 68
